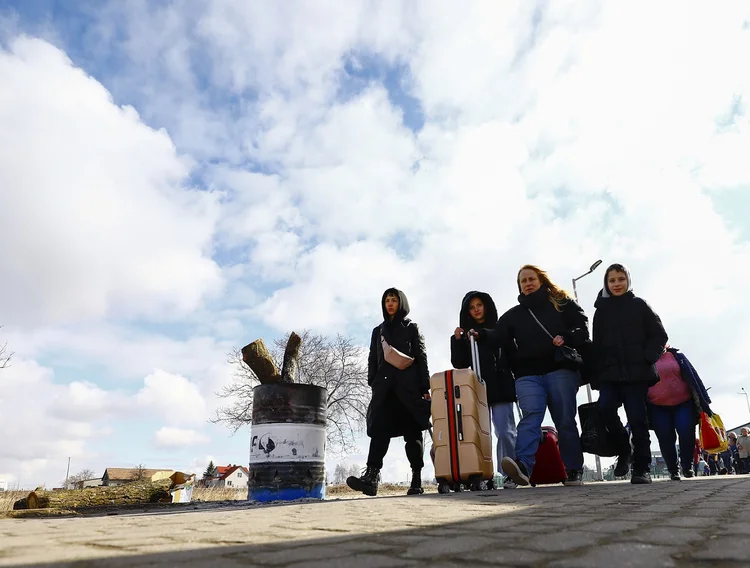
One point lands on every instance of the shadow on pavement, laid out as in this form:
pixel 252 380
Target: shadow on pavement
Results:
pixel 602 524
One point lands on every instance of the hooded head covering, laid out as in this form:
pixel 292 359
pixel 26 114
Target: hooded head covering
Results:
pixel 490 311
pixel 403 304
pixel 605 293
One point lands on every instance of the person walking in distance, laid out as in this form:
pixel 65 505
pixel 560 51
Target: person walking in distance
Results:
pixel 628 340
pixel 478 310
pixel 545 320
pixel 743 449
pixel 400 393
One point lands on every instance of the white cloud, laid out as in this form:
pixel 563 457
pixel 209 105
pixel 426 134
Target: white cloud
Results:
pixel 95 201
pixel 35 435
pixel 167 437
pixel 555 136
pixel 177 399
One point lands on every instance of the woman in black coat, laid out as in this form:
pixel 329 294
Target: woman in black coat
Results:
pixel 545 322
pixel 400 398
pixel 628 340
pixel 478 310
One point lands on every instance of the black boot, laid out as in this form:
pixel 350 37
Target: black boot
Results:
pixel 416 483
pixel 367 483
pixel 640 478
pixel 623 462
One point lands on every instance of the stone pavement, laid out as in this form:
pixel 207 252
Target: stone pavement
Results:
pixel 696 522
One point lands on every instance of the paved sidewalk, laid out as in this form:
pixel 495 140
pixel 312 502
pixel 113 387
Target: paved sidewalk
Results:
pixel 696 522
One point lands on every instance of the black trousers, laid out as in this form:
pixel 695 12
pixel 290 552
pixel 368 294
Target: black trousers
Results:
pixel 414 450
pixel 633 396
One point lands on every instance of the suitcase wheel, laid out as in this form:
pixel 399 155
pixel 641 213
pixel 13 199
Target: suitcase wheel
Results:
pixel 443 488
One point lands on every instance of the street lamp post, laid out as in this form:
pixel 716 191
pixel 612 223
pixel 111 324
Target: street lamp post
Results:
pixel 593 267
pixel 747 399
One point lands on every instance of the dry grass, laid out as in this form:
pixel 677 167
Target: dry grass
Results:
pixel 219 494
pixel 7 498
pixel 205 494
pixel 341 491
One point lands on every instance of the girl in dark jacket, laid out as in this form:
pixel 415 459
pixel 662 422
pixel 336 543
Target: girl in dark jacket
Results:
pixel 400 398
pixel 478 310
pixel 542 378
pixel 628 340
pixel 674 405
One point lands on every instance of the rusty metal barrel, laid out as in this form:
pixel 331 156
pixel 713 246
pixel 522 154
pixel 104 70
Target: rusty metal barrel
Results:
pixel 287 443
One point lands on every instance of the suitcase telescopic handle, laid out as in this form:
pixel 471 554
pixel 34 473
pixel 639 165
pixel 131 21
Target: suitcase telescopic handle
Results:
pixel 475 357
pixel 459 423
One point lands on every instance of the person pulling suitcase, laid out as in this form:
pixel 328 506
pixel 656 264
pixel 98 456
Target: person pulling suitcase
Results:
pixel 548 328
pixel 477 310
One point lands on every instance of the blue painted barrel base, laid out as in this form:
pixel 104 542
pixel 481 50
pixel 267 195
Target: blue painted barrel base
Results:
pixel 265 495
pixel 286 481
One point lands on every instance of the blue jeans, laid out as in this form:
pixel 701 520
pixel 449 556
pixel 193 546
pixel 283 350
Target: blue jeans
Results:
pixel 557 390
pixel 505 430
pixel 633 396
pixel 665 421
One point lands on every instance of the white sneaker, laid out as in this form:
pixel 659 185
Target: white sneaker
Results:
pixel 508 483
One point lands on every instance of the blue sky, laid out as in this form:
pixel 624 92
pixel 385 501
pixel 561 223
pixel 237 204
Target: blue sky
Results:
pixel 182 178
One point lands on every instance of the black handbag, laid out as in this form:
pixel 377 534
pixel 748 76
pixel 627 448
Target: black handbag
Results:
pixel 595 438
pixel 564 354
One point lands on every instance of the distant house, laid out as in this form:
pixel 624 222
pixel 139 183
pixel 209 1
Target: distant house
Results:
pixel 94 482
pixel 122 475
pixel 3 485
pixel 229 477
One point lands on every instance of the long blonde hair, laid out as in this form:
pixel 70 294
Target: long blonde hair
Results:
pixel 558 296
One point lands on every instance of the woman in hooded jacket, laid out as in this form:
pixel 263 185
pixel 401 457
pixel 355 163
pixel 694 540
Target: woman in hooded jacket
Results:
pixel 544 323
pixel 400 397
pixel 628 340
pixel 478 310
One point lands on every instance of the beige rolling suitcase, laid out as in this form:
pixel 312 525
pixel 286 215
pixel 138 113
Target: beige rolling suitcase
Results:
pixel 461 437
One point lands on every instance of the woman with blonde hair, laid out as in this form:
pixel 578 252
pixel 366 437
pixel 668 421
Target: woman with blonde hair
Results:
pixel 544 332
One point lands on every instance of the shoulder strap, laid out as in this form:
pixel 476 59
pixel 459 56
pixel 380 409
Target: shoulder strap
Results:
pixel 540 323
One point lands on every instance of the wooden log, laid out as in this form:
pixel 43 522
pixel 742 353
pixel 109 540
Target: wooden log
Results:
pixel 128 494
pixel 291 354
pixel 257 357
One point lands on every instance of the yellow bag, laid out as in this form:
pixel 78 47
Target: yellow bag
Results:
pixel 713 436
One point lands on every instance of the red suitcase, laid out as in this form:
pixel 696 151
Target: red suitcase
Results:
pixel 549 467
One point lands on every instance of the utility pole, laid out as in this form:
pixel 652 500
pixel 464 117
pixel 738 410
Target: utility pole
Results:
pixel 747 399
pixel 593 267
pixel 67 474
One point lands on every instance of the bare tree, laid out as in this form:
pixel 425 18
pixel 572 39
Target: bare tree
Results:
pixel 336 363
pixel 339 474
pixel 355 470
pixel 5 355
pixel 76 481
pixel 139 473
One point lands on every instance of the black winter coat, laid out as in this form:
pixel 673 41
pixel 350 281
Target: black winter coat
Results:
pixel 397 406
pixel 628 340
pixel 494 363
pixel 534 353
